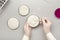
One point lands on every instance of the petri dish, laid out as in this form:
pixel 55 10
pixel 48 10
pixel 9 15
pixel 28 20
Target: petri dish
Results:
pixel 33 20
pixel 13 23
pixel 23 10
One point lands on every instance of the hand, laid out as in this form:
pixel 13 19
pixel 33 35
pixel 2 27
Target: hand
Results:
pixel 27 29
pixel 46 25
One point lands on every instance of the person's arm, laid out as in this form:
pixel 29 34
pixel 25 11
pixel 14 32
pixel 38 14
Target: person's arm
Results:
pixel 27 32
pixel 50 36
pixel 25 37
pixel 46 27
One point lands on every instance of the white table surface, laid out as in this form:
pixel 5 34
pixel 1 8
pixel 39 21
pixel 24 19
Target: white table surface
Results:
pixel 40 8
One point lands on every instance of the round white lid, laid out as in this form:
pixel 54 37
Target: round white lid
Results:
pixel 24 10
pixel 33 21
pixel 13 23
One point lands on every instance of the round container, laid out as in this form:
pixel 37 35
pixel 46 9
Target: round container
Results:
pixel 33 21
pixel 23 10
pixel 57 12
pixel 13 23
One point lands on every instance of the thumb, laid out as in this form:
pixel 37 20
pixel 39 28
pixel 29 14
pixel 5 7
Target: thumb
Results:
pixel 43 20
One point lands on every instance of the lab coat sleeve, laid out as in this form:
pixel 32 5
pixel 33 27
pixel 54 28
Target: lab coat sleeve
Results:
pixel 25 37
pixel 50 36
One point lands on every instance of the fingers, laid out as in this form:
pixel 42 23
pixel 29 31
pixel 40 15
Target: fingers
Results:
pixel 26 25
pixel 27 29
pixel 40 20
pixel 45 20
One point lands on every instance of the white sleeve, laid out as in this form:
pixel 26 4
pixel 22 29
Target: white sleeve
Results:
pixel 50 36
pixel 25 37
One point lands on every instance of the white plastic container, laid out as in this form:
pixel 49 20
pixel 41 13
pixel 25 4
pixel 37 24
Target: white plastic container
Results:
pixel 33 20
